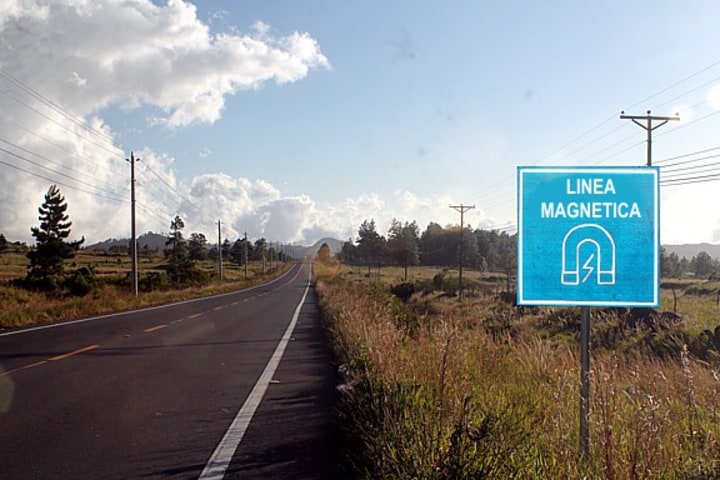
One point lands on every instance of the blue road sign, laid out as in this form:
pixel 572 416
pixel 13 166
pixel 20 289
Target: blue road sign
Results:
pixel 588 236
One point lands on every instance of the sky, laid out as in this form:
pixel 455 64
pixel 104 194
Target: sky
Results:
pixel 295 120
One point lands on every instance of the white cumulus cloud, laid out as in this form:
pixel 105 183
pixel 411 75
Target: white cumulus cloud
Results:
pixel 63 62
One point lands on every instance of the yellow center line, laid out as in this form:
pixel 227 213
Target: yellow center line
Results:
pixel 36 364
pixel 217 308
pixel 196 315
pixel 152 329
pixel 74 352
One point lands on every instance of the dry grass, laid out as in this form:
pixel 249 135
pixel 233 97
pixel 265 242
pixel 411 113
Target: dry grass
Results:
pixel 476 392
pixel 22 308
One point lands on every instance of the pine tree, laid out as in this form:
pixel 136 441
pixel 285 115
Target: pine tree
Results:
pixel 177 252
pixel 51 248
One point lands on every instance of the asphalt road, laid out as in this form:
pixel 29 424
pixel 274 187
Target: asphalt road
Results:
pixel 189 390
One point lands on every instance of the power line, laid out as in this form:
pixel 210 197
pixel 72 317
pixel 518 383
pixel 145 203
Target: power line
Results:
pixel 54 144
pixel 59 124
pixel 18 147
pixel 685 172
pixel 8 152
pixel 687 155
pixel 679 82
pixel 684 94
pixel 690 180
pixel 61 183
pixel 705 117
pixel 40 97
pixel 670 166
pixel 174 190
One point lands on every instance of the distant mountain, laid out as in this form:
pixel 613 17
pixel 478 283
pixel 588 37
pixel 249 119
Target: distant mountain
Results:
pixel 154 241
pixel 298 251
pixel 689 250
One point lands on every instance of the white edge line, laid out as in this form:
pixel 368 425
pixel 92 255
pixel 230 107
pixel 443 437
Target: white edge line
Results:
pixel 222 456
pixel 146 309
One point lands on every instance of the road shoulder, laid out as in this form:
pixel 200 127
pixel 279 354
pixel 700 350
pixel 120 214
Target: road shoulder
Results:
pixel 294 433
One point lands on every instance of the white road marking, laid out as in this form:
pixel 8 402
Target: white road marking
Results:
pixel 220 459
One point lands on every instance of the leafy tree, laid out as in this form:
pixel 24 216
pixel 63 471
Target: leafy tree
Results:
pixel 669 264
pixel 226 247
pixel 3 243
pixel 324 254
pixel 703 265
pixel 197 247
pixel 441 246
pixel 403 244
pixel 259 250
pixel 433 246
pixel 684 265
pixel 238 249
pixel 371 245
pixel 177 252
pixel 506 256
pixel 349 253
pixel 51 248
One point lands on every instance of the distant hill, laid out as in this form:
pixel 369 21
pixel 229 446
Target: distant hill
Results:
pixel 298 251
pixel 154 241
pixel 689 250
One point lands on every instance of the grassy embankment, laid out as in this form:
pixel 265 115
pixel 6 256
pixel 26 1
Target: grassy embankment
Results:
pixel 112 292
pixel 442 389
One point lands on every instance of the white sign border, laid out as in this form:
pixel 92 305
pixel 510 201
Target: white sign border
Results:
pixel 653 171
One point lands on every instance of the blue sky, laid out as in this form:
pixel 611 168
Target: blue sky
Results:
pixel 381 110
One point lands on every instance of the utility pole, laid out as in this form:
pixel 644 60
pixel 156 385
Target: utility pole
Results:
pixel 462 209
pixel 220 259
pixel 133 234
pixel 648 127
pixel 246 255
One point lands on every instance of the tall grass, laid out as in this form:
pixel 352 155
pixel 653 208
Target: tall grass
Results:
pixel 453 399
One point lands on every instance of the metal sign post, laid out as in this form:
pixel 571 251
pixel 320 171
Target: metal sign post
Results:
pixel 585 384
pixel 588 237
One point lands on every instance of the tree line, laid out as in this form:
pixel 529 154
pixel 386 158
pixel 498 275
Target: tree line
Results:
pixel 484 250
pixel 47 259
pixel 701 265
pixel 406 246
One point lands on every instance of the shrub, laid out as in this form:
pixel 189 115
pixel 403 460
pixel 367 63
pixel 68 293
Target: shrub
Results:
pixel 154 281
pixel 81 282
pixel 403 291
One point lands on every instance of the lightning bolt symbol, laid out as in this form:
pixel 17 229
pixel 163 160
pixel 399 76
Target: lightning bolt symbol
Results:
pixel 587 267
